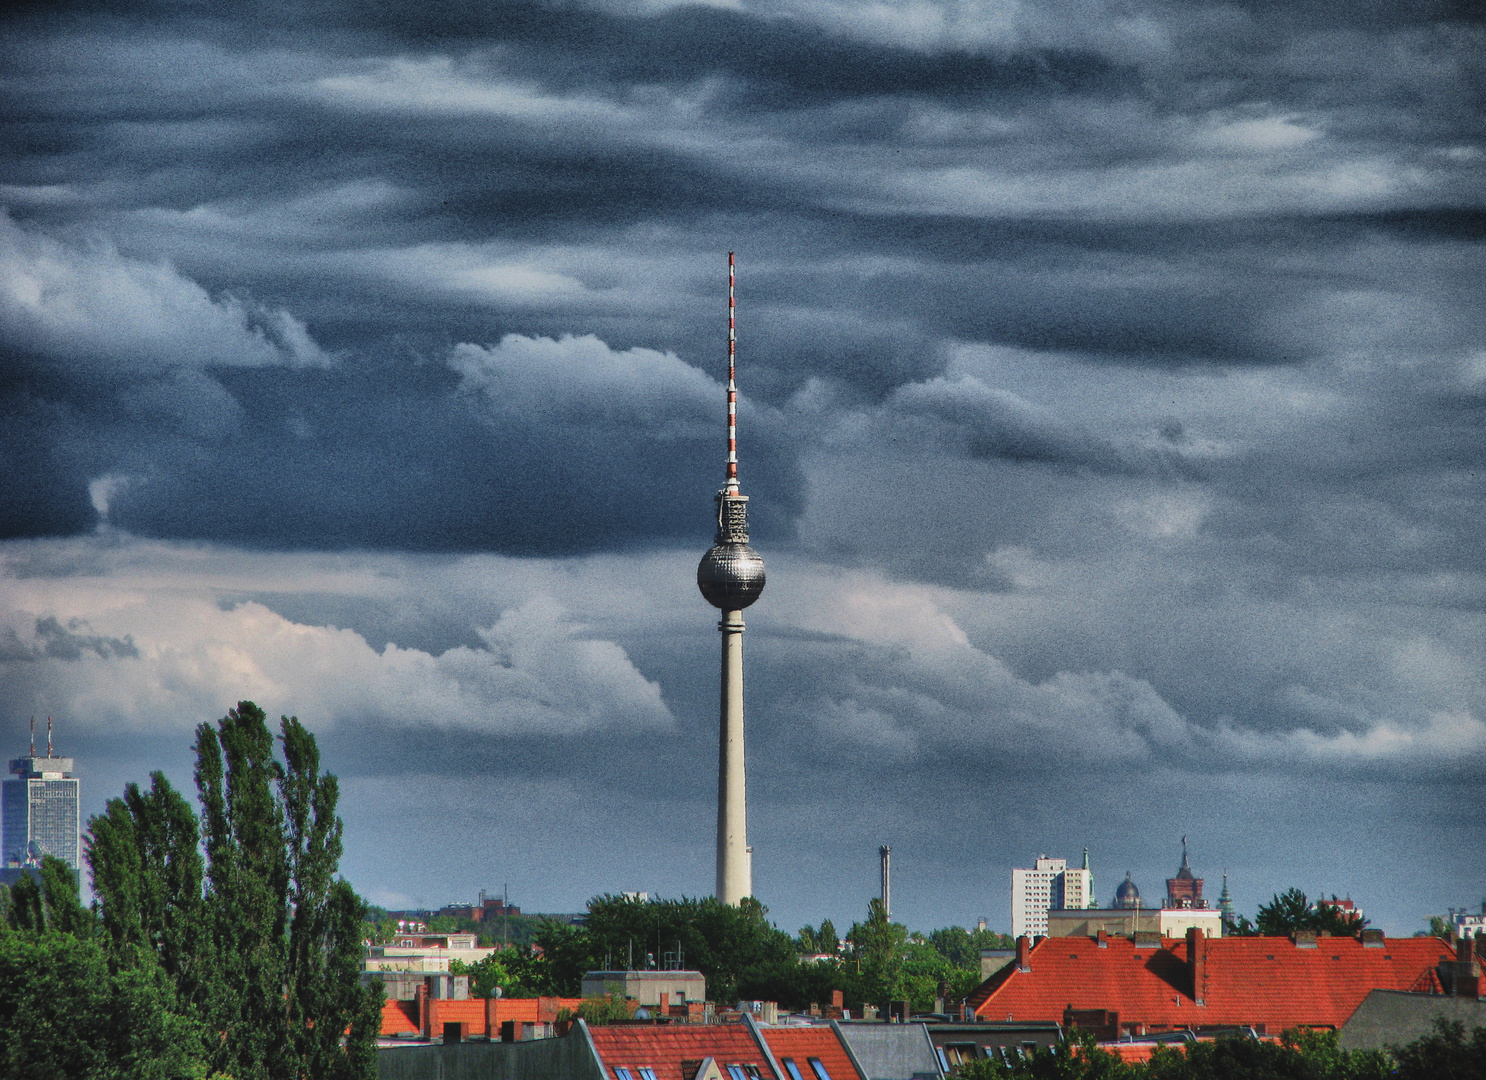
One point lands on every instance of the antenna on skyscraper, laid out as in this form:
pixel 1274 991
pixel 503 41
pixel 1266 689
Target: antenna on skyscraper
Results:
pixel 48 736
pixel 33 736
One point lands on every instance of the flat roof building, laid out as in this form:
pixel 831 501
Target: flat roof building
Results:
pixel 646 987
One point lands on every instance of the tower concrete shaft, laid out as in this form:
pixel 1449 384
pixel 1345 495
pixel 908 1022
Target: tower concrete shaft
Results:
pixel 731 576
pixel 734 862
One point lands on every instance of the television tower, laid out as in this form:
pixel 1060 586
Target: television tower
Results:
pixel 731 576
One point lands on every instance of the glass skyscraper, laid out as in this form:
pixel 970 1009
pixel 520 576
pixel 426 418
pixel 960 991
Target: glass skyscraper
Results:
pixel 39 813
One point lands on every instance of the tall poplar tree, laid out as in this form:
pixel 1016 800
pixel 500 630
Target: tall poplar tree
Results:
pixel 261 939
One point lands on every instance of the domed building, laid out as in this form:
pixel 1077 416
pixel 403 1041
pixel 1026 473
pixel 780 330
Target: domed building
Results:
pixel 1127 896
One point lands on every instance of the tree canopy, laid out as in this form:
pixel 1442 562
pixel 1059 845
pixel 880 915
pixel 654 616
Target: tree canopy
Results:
pixel 223 945
pixel 1291 910
pixel 744 957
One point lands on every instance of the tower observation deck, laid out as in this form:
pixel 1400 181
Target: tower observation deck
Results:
pixel 731 576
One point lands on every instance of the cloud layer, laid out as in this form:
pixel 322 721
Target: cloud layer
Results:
pixel 1112 392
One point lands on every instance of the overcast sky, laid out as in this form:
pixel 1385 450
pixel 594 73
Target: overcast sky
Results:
pixel 1113 410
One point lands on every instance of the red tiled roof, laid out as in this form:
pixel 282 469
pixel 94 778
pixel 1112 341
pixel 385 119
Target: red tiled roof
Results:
pixel 399 1018
pixel 803 1043
pixel 468 1011
pixel 1248 981
pixel 528 1010
pixel 663 1047
pixel 402 1016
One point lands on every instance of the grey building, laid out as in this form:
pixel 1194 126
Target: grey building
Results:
pixel 1397 1017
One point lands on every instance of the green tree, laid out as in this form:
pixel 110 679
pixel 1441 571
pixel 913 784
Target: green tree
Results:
pixel 1290 911
pixel 145 856
pixel 1284 914
pixel 734 947
pixel 261 940
pixel 1329 916
pixel 486 977
pixel 824 940
pixel 880 947
pixel 66 1015
pixel 1239 926
pixel 1447 1054
pixel 1075 1058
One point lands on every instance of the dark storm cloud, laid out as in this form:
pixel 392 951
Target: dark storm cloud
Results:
pixel 1112 379
pixel 296 153
pixel 65 643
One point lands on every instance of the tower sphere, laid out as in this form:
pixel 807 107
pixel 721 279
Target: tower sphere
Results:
pixel 731 576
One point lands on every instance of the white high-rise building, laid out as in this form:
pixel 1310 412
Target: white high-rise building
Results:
pixel 1032 893
pixel 1049 885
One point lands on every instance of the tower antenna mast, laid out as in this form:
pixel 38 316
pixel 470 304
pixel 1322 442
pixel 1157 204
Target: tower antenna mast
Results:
pixel 731 487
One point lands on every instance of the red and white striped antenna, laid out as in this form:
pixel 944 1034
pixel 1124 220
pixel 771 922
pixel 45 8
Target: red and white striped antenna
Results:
pixel 731 487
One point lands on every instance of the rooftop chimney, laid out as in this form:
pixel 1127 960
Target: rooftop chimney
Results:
pixel 1197 962
pixel 1372 938
pixel 1023 946
pixel 1103 939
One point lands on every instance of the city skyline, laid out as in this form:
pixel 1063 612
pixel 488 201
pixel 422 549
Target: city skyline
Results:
pixel 1113 417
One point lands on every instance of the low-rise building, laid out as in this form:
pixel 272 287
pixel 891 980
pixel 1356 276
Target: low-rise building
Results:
pixel 647 987
pixel 1469 923
pixel 424 953
pixel 1163 922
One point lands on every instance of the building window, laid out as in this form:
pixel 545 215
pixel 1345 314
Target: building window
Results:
pixel 622 1074
pixel 736 1072
pixel 647 1074
pixel 793 1069
pixel 819 1069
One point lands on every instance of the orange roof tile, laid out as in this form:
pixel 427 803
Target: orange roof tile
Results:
pixel 528 1010
pixel 800 1044
pixel 663 1047
pixel 1249 981
pixel 398 1018
pixel 468 1011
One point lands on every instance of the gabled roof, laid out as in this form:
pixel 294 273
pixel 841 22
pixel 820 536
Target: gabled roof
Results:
pixel 800 1044
pixel 1247 981
pixel 663 1047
